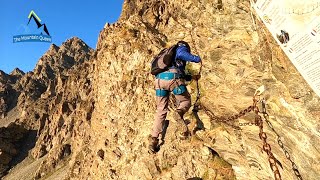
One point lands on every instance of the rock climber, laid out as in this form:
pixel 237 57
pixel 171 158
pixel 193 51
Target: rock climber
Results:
pixel 173 80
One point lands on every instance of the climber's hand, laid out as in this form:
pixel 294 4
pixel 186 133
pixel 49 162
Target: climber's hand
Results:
pixel 196 77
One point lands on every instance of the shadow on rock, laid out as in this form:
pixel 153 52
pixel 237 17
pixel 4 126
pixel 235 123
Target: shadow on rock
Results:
pixel 194 178
pixel 24 146
pixel 15 143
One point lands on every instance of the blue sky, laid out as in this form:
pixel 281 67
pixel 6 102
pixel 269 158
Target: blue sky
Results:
pixel 63 18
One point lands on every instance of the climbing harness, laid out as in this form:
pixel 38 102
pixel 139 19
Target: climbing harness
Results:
pixel 169 76
pixel 162 92
pixel 179 90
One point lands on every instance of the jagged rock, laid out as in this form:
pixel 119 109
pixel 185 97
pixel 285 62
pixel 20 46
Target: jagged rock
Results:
pixel 48 81
pixel 97 107
pixel 9 139
pixel 3 77
pixel 17 72
pixel 3 108
pixel 57 60
pixel 8 94
pixel 15 75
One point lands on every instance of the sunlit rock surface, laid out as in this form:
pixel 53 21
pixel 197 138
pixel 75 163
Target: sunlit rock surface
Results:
pixel 93 110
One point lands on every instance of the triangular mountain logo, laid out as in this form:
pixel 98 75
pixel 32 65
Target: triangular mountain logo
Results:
pixel 37 20
pixel 42 37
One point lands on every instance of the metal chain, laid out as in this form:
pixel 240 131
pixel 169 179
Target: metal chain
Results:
pixel 262 135
pixel 196 104
pixel 280 143
pixel 226 119
pixel 248 124
pixel 266 146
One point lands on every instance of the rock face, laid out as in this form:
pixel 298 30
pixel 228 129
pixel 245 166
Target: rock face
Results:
pixel 49 95
pixel 8 94
pixel 93 110
pixel 9 138
pixel 17 72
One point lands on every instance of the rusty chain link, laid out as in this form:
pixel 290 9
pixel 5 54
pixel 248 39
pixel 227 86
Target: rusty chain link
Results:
pixel 248 124
pixel 285 151
pixel 228 120
pixel 259 122
pixel 196 104
pixel 266 146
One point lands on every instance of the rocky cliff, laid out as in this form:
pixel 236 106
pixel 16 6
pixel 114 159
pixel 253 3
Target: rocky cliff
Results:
pixel 93 110
pixel 38 99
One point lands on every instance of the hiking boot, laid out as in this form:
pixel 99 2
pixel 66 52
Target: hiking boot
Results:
pixel 153 144
pixel 184 135
pixel 183 128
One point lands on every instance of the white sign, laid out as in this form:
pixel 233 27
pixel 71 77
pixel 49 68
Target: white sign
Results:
pixel 296 27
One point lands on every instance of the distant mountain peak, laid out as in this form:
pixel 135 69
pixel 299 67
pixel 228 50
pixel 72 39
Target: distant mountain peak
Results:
pixel 53 49
pixel 61 58
pixel 17 72
pixel 73 41
pixel 2 73
pixel 75 44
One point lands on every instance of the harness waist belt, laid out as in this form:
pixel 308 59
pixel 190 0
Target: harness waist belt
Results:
pixel 169 76
pixel 162 92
